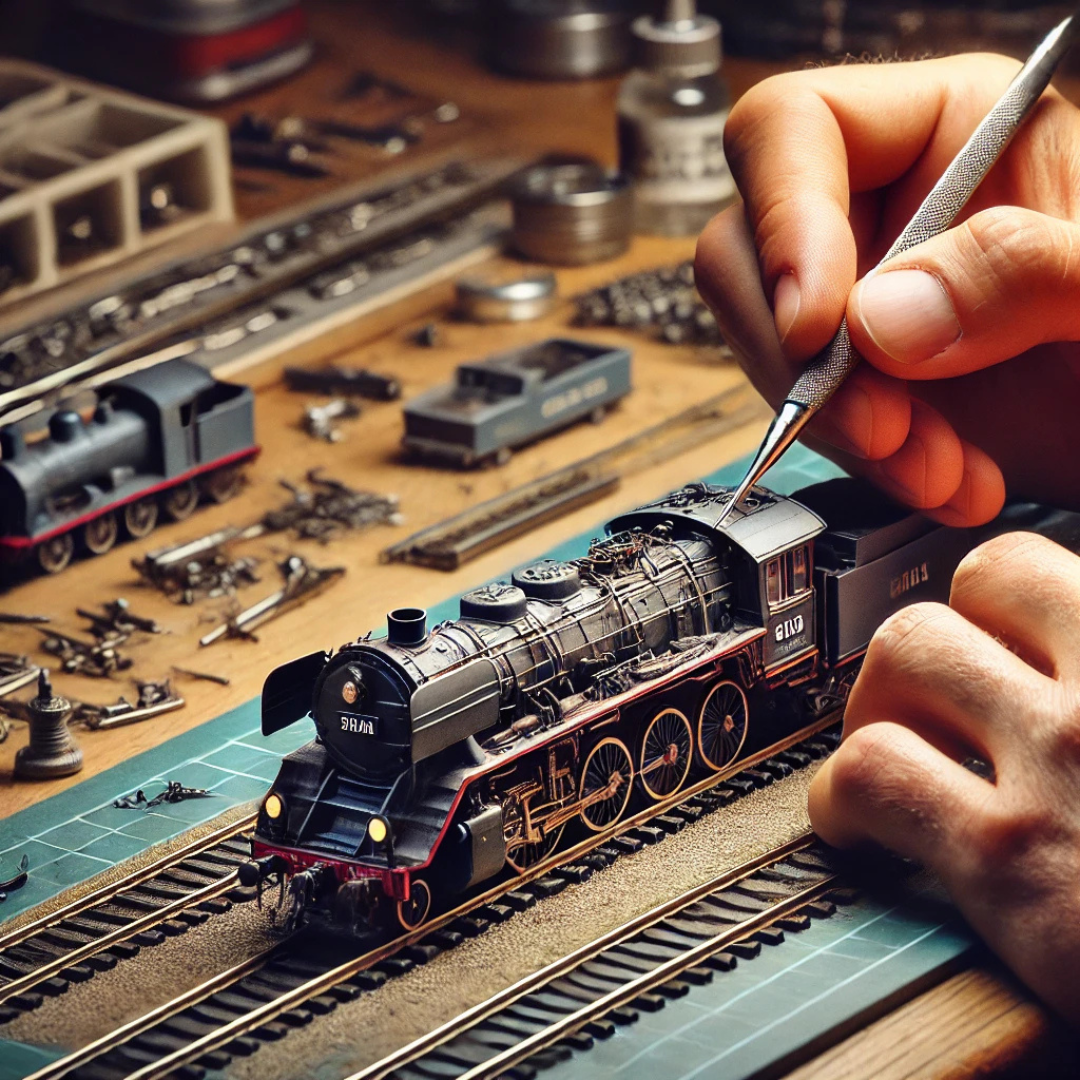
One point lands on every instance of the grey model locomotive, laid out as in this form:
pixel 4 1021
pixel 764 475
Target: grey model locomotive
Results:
pixel 674 647
pixel 157 441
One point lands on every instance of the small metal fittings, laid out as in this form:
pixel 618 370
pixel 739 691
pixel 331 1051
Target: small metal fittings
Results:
pixel 52 750
pixel 487 299
pixel 572 214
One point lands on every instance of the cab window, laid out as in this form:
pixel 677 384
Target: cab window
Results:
pixel 773 584
pixel 787 575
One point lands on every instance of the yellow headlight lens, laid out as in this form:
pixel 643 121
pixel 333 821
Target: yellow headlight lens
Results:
pixel 273 806
pixel 377 829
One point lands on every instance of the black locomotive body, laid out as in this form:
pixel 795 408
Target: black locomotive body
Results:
pixel 677 647
pixel 157 440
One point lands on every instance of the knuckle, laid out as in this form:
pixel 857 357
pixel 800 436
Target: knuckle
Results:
pixel 861 766
pixel 995 562
pixel 1060 723
pixel 899 644
pixel 1005 831
pixel 1007 246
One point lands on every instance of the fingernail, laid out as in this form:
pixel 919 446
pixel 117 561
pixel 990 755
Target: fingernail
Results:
pixel 908 314
pixel 909 461
pixel 785 304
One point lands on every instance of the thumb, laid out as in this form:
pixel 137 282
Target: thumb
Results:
pixel 1005 280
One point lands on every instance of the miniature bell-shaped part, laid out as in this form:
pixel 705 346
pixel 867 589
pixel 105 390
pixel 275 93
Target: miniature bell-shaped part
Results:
pixel 52 750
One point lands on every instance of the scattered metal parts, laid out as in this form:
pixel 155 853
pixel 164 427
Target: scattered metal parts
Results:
pixel 364 83
pixel 428 336
pixel 16 672
pixel 158 205
pixel 52 750
pixel 493 298
pixel 118 621
pixel 97 659
pixel 662 302
pixel 188 295
pixel 154 698
pixel 291 158
pixel 330 507
pixel 454 542
pixel 174 792
pixel 18 881
pixel 319 419
pixel 204 676
pixel 346 382
pixel 302 581
pixel 14 619
pixel 251 128
pixel 199 569
pixel 391 138
pixel 572 214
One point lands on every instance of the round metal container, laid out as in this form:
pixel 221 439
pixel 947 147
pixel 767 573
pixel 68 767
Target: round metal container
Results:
pixel 572 214
pixel 561 39
pixel 488 299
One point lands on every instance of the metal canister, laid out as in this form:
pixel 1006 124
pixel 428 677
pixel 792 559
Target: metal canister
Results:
pixel 572 214
pixel 561 39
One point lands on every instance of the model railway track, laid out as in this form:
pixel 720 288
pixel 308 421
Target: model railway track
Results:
pixel 44 957
pixel 258 1001
pixel 657 955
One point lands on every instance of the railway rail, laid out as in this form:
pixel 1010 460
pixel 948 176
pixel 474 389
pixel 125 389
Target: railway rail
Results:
pixel 657 955
pixel 92 933
pixel 286 985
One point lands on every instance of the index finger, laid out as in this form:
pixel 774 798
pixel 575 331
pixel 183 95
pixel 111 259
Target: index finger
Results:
pixel 801 144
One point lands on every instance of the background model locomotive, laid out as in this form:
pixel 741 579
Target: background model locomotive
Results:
pixel 675 647
pixel 158 440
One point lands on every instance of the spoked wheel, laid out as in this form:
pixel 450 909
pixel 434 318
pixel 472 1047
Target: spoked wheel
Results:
pixel 140 517
pixel 222 484
pixel 722 725
pixel 180 502
pixel 412 912
pixel 666 750
pixel 525 856
pixel 55 553
pixel 100 534
pixel 605 783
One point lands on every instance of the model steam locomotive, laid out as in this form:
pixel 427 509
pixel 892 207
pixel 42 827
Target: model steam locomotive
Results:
pixel 677 646
pixel 157 440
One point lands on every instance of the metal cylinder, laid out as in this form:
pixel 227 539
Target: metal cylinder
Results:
pixel 406 626
pixel 572 214
pixel 499 298
pixel 561 39
pixel 52 750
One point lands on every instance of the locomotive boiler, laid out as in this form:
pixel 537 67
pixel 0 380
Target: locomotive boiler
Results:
pixel 677 646
pixel 156 442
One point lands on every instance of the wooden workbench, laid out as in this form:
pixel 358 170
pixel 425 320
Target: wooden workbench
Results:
pixel 975 1024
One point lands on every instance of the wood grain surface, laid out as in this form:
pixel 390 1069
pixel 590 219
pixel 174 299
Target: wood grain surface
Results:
pixel 978 1023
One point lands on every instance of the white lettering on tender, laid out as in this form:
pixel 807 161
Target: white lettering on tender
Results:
pixel 905 582
pixel 573 397
pixel 359 725
pixel 789 628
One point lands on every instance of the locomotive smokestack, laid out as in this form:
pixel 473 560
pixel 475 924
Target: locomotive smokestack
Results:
pixel 406 626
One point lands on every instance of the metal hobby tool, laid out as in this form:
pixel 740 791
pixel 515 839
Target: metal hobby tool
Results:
pixel 827 371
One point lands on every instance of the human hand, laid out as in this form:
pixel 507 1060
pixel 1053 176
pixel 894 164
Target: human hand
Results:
pixel 995 675
pixel 968 387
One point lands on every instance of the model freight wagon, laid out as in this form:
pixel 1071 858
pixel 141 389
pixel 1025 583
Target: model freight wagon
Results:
pixel 156 443
pixel 516 397
pixel 681 643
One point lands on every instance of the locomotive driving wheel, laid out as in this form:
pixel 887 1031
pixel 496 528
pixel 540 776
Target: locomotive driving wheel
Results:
pixel 55 553
pixel 412 912
pixel 666 751
pixel 140 517
pixel 100 534
pixel 722 725
pixel 180 502
pixel 222 484
pixel 524 856
pixel 606 781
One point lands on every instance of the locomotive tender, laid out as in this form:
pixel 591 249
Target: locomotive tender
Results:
pixel 158 440
pixel 675 647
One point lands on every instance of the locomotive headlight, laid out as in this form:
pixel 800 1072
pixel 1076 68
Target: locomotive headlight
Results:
pixel 274 806
pixel 378 829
